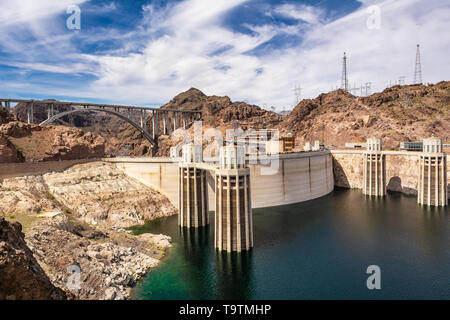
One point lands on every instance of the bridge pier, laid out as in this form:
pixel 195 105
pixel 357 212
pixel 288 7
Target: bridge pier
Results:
pixel 234 222
pixel 164 123
pixel 155 124
pixel 174 121
pixel 8 105
pixel 432 185
pixel 374 169
pixel 30 112
pixel 142 118
pixel 193 189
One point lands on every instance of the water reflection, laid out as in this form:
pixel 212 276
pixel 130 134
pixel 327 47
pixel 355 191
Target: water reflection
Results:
pixel 234 275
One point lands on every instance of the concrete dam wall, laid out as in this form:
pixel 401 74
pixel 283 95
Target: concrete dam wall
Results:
pixel 402 170
pixel 295 177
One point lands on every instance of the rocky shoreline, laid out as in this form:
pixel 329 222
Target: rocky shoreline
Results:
pixel 74 231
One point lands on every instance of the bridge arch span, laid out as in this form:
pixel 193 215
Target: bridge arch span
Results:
pixel 121 116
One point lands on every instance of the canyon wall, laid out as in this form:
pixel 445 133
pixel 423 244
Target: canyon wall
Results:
pixel 402 170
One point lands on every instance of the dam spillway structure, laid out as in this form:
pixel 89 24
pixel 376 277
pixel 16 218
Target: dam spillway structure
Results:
pixel 193 189
pixel 432 181
pixel 234 222
pixel 374 169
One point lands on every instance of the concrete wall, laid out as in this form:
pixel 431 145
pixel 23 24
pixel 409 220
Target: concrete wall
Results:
pixel 11 170
pixel 299 177
pixel 402 169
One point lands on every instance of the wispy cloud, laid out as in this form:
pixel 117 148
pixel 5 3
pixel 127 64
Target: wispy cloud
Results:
pixel 308 14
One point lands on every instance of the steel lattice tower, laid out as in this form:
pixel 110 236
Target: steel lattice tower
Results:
pixel 344 79
pixel 418 70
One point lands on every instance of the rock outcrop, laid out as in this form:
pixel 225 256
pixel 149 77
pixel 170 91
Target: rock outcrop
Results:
pixel 99 194
pixel 21 277
pixel 87 268
pixel 50 143
pixel 8 151
pixel 222 112
pixel 399 113
pixel 121 139
pixel 5 116
pixel 74 222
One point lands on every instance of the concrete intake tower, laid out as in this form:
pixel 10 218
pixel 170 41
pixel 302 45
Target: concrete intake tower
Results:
pixel 374 169
pixel 432 185
pixel 193 190
pixel 234 223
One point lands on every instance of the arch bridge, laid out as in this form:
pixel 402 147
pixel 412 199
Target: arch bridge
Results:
pixel 164 121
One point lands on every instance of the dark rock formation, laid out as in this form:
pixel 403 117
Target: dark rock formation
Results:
pixel 49 143
pixel 21 277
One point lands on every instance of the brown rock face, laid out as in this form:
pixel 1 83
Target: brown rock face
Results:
pixel 221 111
pixel 49 143
pixel 9 152
pixel 5 116
pixel 399 113
pixel 217 112
pixel 21 277
pixel 121 139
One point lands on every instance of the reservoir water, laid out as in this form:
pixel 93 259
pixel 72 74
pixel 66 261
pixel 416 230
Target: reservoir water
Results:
pixel 318 249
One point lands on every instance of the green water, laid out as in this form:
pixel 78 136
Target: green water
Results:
pixel 318 249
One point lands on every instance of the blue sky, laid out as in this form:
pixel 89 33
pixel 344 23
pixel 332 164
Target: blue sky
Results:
pixel 145 52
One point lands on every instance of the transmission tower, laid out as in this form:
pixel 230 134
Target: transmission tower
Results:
pixel 368 88
pixel 298 93
pixel 344 79
pixel 418 70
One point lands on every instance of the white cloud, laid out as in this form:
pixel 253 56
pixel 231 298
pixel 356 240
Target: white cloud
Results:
pixel 31 11
pixel 193 30
pixel 301 12
pixel 180 60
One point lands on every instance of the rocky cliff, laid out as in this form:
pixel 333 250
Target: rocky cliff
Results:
pixel 102 268
pixel 99 194
pixel 121 139
pixel 399 113
pixel 222 112
pixel 21 277
pixel 5 116
pixel 20 141
pixel 74 220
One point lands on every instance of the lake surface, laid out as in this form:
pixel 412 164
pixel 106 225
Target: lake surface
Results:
pixel 318 249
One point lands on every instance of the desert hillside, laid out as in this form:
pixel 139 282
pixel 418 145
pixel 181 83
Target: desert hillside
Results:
pixel 20 142
pixel 121 139
pixel 399 113
pixel 222 112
